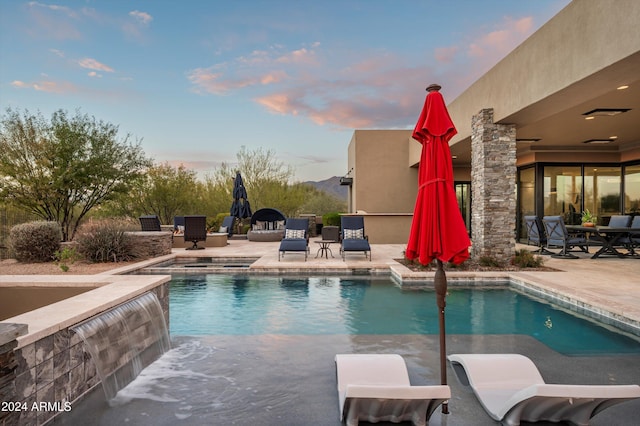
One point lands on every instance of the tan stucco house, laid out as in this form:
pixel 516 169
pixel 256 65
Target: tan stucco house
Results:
pixel 553 128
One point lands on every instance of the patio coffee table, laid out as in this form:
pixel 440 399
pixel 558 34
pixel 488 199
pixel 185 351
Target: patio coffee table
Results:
pixel 324 249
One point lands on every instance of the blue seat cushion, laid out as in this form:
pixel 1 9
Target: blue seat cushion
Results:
pixel 355 244
pixel 293 244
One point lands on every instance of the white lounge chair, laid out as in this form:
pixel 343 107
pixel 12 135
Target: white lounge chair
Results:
pixel 375 387
pixel 511 389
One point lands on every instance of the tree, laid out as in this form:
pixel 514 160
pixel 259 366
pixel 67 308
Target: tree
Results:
pixel 60 170
pixel 167 191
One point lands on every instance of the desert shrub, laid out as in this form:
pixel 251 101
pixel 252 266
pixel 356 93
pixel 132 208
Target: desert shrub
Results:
pixel 523 258
pixel 331 219
pixel 65 257
pixel 35 241
pixel 489 261
pixel 106 241
pixel 215 223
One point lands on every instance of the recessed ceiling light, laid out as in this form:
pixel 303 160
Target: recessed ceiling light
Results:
pixel 599 141
pixel 591 117
pixel 613 137
pixel 606 112
pixel 623 87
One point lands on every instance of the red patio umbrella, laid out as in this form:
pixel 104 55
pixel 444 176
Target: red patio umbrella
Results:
pixel 437 230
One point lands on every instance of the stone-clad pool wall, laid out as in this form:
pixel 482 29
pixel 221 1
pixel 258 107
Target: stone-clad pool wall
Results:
pixel 49 366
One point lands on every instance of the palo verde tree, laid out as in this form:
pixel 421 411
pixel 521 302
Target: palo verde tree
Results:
pixel 60 170
pixel 167 191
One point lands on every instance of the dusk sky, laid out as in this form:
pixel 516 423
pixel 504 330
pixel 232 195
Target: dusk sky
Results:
pixel 196 80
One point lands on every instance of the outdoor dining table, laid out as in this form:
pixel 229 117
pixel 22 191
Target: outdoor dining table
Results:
pixel 607 235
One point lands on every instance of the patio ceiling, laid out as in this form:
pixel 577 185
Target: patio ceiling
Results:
pixel 559 124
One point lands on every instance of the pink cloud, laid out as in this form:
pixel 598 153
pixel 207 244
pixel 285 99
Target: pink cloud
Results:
pixel 46 86
pixel 502 41
pixel 376 89
pixel 142 17
pixel 92 64
pixel 53 21
pixel 446 54
pixel 301 56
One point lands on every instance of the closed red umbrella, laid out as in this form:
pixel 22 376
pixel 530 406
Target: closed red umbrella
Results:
pixel 437 230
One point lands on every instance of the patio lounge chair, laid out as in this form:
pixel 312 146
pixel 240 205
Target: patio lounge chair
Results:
pixel 150 223
pixel 296 237
pixel 195 229
pixel 558 236
pixel 535 233
pixel 227 225
pixel 511 390
pixel 375 387
pixel 178 223
pixel 353 236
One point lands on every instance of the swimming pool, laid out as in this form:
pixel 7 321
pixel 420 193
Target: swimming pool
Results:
pixel 213 304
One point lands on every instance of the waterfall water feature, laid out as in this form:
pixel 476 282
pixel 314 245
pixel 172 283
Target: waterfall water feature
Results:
pixel 124 340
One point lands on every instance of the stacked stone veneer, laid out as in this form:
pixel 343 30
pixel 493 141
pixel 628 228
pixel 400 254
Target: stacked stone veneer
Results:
pixel 152 243
pixel 56 369
pixel 493 187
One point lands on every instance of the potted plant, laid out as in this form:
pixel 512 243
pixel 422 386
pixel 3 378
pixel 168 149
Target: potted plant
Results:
pixel 588 219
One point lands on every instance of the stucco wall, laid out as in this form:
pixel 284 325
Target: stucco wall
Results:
pixel 382 180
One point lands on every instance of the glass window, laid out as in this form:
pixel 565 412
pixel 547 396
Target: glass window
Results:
pixel 562 191
pixel 527 197
pixel 602 191
pixel 632 189
pixel 463 194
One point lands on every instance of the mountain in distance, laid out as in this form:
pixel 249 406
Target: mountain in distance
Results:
pixel 331 186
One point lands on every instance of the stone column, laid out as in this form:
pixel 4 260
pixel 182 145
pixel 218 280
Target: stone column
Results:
pixel 493 187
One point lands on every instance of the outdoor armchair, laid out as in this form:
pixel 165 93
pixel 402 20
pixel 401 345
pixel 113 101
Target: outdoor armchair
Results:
pixel 559 237
pixel 535 233
pixel 195 230
pixel 150 223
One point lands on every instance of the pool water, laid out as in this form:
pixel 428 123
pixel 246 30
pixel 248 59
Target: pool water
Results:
pixel 212 304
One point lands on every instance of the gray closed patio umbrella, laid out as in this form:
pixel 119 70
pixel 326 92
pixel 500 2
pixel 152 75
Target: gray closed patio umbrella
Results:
pixel 240 207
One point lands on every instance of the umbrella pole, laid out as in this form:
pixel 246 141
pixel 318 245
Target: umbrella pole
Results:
pixel 440 283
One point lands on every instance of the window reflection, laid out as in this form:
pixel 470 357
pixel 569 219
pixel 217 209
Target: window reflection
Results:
pixel 562 192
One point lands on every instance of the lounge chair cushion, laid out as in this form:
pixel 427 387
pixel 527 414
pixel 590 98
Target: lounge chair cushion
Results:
pixel 355 244
pixel 375 387
pixel 511 389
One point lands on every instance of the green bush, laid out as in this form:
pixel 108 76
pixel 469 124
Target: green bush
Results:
pixel 214 224
pixel 35 241
pixel 106 241
pixel 65 257
pixel 526 259
pixel 490 262
pixel 331 219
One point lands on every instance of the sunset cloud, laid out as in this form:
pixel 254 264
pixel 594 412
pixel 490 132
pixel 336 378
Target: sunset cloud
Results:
pixel 503 40
pixel 446 54
pixel 46 86
pixel 367 89
pixel 52 21
pixel 92 64
pixel 141 17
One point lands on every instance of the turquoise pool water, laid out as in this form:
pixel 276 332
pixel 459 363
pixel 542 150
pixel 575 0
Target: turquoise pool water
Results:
pixel 250 305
